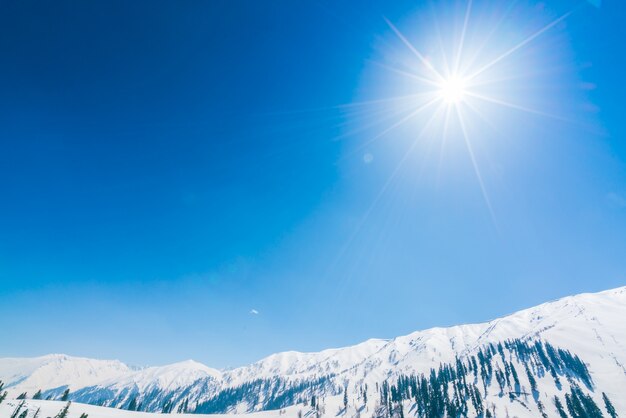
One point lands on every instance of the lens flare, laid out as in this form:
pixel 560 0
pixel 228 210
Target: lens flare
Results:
pixel 453 90
pixel 464 70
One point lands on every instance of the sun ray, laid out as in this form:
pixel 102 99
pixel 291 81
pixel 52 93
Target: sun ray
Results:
pixel 419 55
pixel 402 121
pixel 517 107
pixel 518 46
pixel 470 151
pixel 384 188
pixel 408 74
pixel 410 150
pixel 477 111
pixel 485 42
pixel 459 52
pixel 476 83
pixel 444 56
pixel 407 97
pixel 363 103
pixel 444 139
pixel 363 127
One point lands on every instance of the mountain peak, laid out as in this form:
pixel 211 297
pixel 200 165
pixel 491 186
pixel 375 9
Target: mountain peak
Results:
pixel 588 324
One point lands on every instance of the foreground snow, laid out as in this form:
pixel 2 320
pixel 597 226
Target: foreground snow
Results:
pixel 52 408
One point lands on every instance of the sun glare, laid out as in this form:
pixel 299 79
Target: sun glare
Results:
pixel 458 78
pixel 452 90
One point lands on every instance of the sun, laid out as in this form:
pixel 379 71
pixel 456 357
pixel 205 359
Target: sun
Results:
pixel 465 69
pixel 452 90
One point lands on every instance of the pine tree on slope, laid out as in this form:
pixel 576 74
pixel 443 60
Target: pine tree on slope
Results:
pixel 65 395
pixel 63 412
pixel 17 410
pixel 609 406
pixel 559 407
pixel 132 406
pixel 591 409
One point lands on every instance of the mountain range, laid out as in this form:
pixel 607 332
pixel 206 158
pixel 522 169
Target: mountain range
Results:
pixel 563 357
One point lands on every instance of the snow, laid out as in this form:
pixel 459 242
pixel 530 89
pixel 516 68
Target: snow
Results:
pixel 51 408
pixel 297 364
pixel 589 325
pixel 168 377
pixel 57 370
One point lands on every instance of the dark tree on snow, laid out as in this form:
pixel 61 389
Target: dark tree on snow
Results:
pixel 609 406
pixel 64 411
pixel 17 410
pixel 65 395
pixel 559 407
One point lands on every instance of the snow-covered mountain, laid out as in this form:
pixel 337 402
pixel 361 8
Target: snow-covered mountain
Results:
pixel 58 370
pixel 546 344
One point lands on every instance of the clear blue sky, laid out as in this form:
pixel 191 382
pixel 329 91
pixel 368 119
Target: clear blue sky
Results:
pixel 168 167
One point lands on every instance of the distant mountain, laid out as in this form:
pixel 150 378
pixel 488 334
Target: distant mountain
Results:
pixel 56 371
pixel 570 352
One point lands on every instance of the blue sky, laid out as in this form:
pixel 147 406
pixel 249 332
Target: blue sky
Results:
pixel 169 167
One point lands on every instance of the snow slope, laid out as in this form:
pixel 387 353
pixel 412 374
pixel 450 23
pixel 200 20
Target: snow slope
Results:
pixel 51 408
pixel 592 326
pixel 168 377
pixel 57 370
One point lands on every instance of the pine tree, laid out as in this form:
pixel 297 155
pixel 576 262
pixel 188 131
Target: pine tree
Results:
pixel 345 398
pixel 183 406
pixel 65 395
pixel 84 415
pixel 577 409
pixel 3 396
pixel 24 414
pixel 22 395
pixel 559 407
pixel 63 412
pixel 588 406
pixel 17 410
pixel 609 406
pixel 37 413
pixel 167 407
pixel 515 377
pixel 37 394
pixel 132 406
pixel 531 379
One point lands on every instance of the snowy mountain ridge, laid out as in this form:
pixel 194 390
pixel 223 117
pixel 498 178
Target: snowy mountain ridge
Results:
pixel 55 370
pixel 171 376
pixel 588 325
